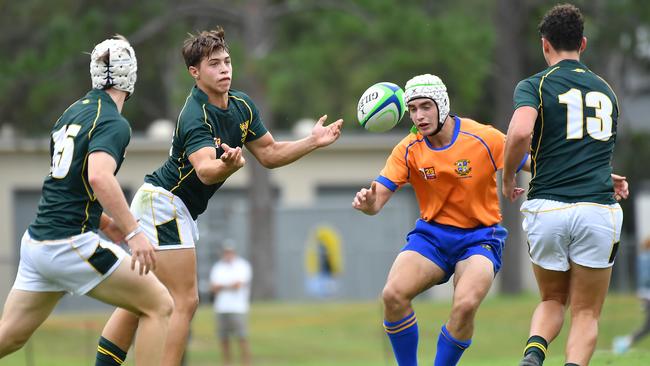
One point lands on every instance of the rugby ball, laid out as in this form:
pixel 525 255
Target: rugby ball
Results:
pixel 381 107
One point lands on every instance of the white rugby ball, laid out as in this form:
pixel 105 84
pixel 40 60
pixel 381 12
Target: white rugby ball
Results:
pixel 381 107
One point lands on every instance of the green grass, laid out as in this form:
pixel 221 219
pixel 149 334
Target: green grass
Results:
pixel 344 334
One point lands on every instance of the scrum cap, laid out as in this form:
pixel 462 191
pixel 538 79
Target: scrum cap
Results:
pixel 121 69
pixel 429 86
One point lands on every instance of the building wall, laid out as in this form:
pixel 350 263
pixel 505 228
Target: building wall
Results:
pixel 304 187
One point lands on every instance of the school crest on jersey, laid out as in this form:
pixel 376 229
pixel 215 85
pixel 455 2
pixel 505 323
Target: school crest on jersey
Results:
pixel 462 167
pixel 244 130
pixel 428 173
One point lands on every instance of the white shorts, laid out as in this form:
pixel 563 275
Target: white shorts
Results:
pixel 75 265
pixel 584 233
pixel 164 218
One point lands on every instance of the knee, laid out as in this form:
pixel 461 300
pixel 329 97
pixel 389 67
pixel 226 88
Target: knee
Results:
pixel 186 304
pixel 394 299
pixel 465 308
pixel 164 305
pixel 10 344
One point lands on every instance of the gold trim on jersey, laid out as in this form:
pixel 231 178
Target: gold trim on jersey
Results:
pixel 181 180
pixel 541 114
pixel 205 119
pixel 87 187
pixel 178 120
pixel 618 109
pixel 250 120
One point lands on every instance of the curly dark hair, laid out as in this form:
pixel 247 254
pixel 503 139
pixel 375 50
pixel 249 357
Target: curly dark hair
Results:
pixel 563 26
pixel 197 47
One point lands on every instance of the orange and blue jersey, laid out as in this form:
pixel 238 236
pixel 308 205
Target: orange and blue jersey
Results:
pixel 455 185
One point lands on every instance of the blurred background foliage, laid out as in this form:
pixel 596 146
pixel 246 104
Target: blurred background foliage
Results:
pixel 315 57
pixel 301 59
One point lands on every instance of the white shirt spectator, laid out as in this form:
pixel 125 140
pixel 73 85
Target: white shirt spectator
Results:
pixel 226 274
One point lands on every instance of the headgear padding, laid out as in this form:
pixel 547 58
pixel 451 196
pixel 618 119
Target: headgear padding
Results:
pixel 120 72
pixel 429 86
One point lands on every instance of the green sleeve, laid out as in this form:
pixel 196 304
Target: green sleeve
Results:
pixel 195 134
pixel 526 94
pixel 112 137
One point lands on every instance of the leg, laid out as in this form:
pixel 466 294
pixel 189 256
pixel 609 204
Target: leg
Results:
pixel 24 312
pixel 411 274
pixel 548 317
pixel 244 348
pixel 226 355
pixel 120 328
pixel 588 290
pixel 145 296
pixel 472 280
pixel 176 269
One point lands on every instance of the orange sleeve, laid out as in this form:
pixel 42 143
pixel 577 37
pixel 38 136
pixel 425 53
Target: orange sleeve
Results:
pixel 497 143
pixel 396 172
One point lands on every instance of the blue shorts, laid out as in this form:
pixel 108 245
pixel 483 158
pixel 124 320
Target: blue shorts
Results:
pixel 447 245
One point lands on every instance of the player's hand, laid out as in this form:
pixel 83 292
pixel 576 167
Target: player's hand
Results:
pixel 325 135
pixel 233 158
pixel 510 190
pixel 365 199
pixel 143 253
pixel 621 188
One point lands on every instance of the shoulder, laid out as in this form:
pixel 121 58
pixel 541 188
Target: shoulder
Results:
pixel 240 97
pixel 481 131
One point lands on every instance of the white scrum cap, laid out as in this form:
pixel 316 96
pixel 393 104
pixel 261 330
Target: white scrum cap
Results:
pixel 120 72
pixel 429 86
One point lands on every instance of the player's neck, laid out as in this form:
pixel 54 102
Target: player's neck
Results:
pixel 219 100
pixel 118 97
pixel 443 138
pixel 555 57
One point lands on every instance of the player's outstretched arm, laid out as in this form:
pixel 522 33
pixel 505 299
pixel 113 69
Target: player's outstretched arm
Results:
pixel 101 166
pixel 517 144
pixel 211 170
pixel 371 200
pixel 274 154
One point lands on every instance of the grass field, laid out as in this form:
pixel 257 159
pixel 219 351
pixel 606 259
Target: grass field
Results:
pixel 343 334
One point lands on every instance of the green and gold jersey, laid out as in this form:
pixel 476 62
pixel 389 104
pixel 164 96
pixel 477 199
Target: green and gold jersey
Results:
pixel 68 205
pixel 574 135
pixel 201 124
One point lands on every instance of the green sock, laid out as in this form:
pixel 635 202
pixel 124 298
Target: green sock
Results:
pixel 536 345
pixel 108 354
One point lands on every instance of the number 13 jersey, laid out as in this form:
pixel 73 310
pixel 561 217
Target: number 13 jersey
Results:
pixel 574 135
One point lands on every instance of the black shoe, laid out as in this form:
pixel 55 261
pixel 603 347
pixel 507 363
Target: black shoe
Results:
pixel 530 360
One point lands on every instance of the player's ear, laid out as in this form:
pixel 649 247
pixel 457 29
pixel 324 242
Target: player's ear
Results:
pixel 194 72
pixel 583 44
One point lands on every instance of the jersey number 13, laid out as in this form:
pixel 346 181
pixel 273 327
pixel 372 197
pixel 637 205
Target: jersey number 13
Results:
pixel 598 127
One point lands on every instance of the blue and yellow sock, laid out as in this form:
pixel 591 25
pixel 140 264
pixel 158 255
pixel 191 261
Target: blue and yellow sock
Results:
pixel 108 354
pixel 537 346
pixel 449 349
pixel 403 335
